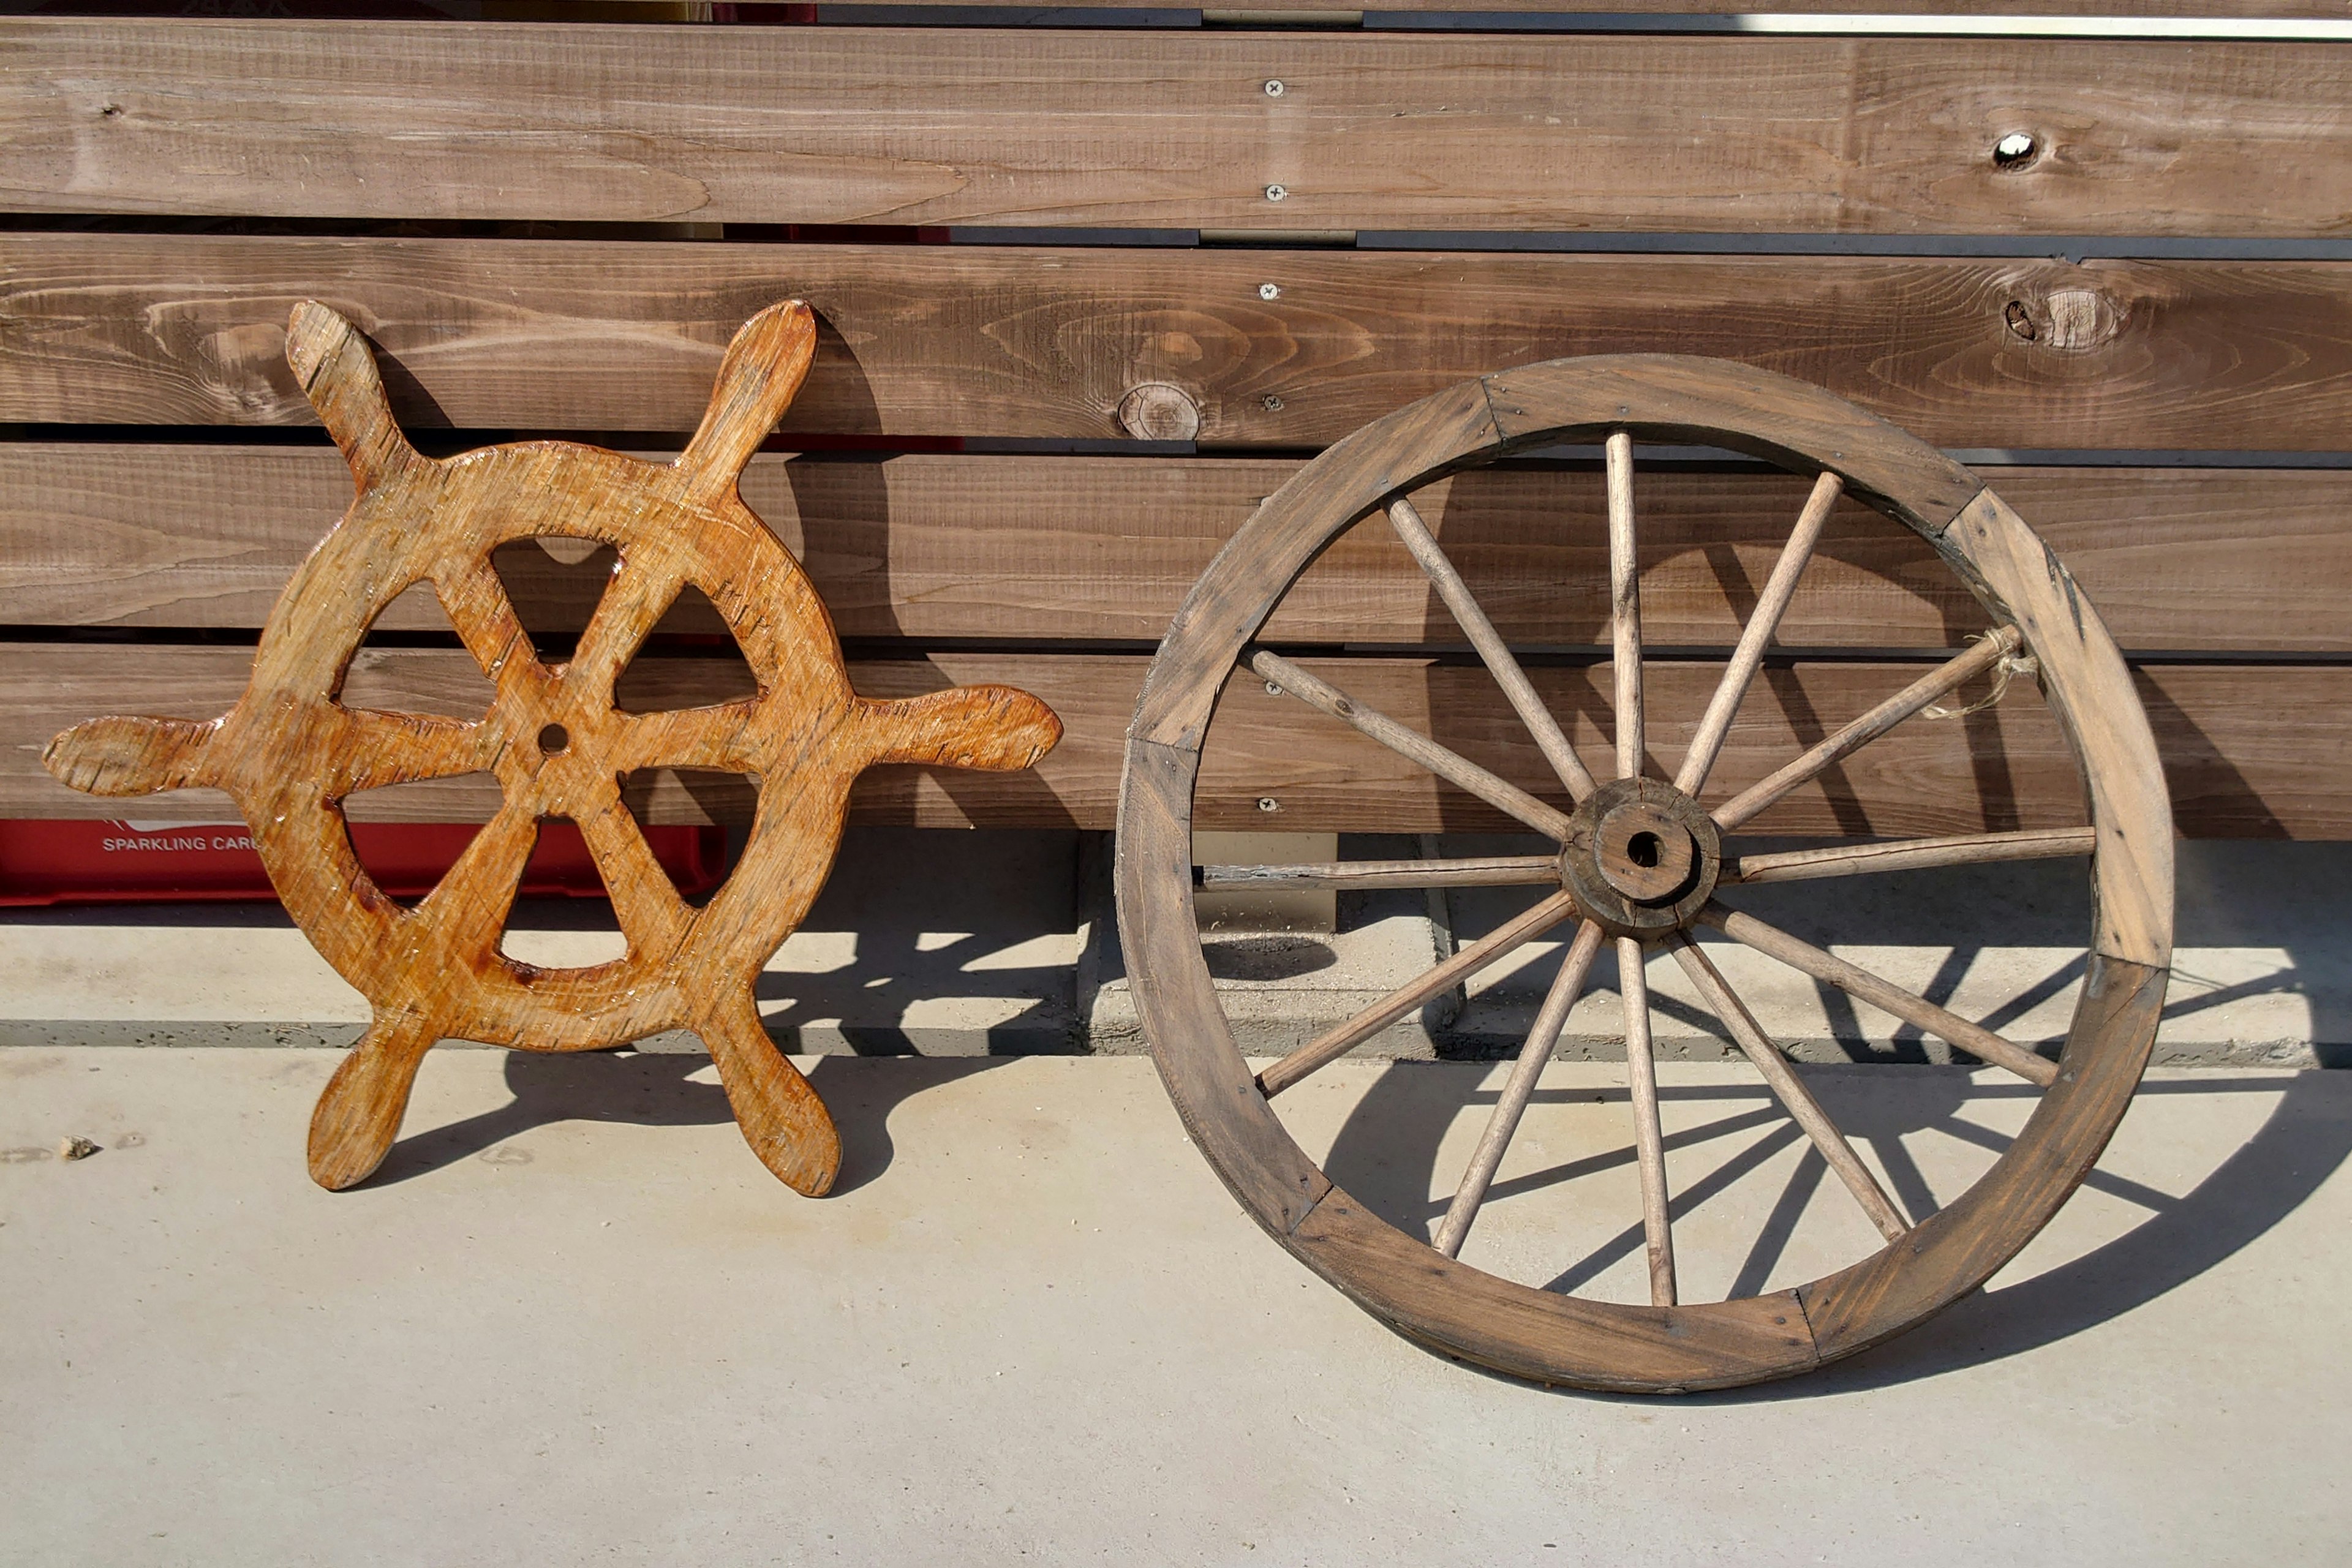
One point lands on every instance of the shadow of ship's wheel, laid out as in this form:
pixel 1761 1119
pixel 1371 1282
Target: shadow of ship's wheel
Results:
pixel 1639 861
pixel 291 751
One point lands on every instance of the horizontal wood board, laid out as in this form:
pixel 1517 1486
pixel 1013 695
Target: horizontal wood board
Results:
pixel 1044 549
pixel 1032 342
pixel 454 121
pixel 2249 752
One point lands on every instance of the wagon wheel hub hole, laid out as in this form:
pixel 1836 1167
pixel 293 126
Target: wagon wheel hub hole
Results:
pixel 1641 859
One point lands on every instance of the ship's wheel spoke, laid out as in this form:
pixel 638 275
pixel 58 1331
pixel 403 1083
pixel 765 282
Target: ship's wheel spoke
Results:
pixel 1749 655
pixel 467 908
pixel 1499 660
pixel 646 901
pixel 1799 1101
pixel 721 737
pixel 485 618
pixel 376 749
pixel 1455 769
pixel 1844 743
pixel 632 602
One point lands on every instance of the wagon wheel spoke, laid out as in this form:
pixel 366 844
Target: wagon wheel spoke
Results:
pixel 1518 1089
pixel 1911 854
pixel 1946 677
pixel 645 900
pixel 1741 673
pixel 1884 994
pixel 1472 871
pixel 1499 660
pixel 485 618
pixel 719 737
pixel 1625 607
pixel 373 749
pixel 467 908
pixel 618 627
pixel 1799 1101
pixel 1649 1137
pixel 1452 766
pixel 1337 1041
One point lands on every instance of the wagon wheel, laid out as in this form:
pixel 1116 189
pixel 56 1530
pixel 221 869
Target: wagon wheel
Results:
pixel 291 751
pixel 1640 863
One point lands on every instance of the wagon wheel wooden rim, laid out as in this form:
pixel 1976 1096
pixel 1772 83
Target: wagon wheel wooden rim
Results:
pixel 1417 1286
pixel 558 743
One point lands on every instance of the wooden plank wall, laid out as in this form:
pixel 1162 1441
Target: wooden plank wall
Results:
pixel 2141 334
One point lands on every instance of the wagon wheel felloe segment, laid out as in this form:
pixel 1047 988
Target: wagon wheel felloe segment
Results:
pixel 1639 864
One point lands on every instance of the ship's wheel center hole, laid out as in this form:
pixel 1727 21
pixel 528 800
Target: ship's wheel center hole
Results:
pixel 554 739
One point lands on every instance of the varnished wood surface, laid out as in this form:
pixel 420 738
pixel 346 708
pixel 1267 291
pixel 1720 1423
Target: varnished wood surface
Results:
pixel 1016 342
pixel 404 120
pixel 552 737
pixel 138 534
pixel 2249 750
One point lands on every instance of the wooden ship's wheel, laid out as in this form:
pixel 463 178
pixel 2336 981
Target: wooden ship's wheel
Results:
pixel 291 751
pixel 1639 861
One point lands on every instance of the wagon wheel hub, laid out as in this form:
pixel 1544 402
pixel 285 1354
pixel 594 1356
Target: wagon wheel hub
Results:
pixel 1640 858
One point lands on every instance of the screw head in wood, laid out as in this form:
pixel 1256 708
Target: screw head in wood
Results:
pixel 1277 192
pixel 1274 89
pixel 1269 290
pixel 1271 403
pixel 1268 803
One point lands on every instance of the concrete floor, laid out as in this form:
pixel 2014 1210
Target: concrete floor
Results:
pixel 573 1320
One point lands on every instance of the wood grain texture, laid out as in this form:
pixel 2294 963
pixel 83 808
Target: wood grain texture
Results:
pixel 1048 548
pixel 2249 752
pixel 922 126
pixel 2091 694
pixel 1543 1334
pixel 1961 1246
pixel 553 742
pixel 1019 341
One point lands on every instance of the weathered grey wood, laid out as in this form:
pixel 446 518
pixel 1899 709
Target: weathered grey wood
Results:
pixel 1789 1089
pixel 1406 742
pixel 987 341
pixel 1649 1136
pixel 422 119
pixel 1625 608
pixel 1518 1088
pixel 1340 1038
pixel 1962 1244
pixel 2092 697
pixel 1497 655
pixel 1219 1101
pixel 1473 871
pixel 1853 736
pixel 2249 752
pixel 1884 994
pixel 1910 855
pixel 1612 1346
pixel 1740 673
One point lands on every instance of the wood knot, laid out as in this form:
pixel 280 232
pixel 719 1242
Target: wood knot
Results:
pixel 2074 319
pixel 1155 411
